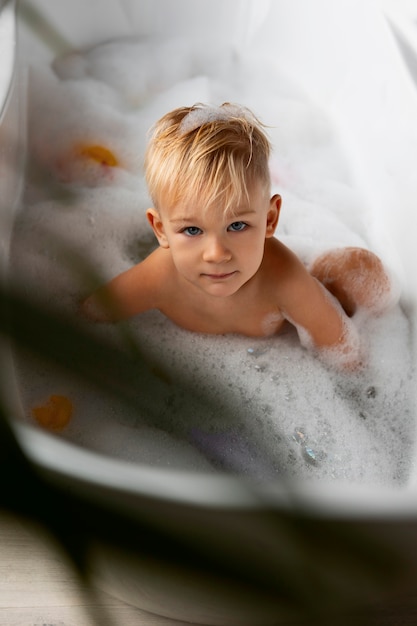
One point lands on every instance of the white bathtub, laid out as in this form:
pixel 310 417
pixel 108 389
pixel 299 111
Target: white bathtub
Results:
pixel 343 548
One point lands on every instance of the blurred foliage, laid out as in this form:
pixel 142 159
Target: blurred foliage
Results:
pixel 297 575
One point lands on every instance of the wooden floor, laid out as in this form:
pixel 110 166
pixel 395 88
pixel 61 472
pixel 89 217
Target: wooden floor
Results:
pixel 39 588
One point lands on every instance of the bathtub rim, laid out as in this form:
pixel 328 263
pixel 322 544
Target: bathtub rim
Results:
pixel 8 47
pixel 54 456
pixel 95 472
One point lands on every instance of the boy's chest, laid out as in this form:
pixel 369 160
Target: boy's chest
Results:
pixel 254 315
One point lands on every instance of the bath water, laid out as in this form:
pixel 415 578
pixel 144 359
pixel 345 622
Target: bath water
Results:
pixel 280 413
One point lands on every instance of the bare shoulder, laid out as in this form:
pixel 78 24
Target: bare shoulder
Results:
pixel 282 265
pixel 149 274
pixel 294 283
pixel 138 289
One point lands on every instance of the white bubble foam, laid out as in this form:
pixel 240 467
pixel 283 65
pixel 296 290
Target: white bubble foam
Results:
pixel 279 411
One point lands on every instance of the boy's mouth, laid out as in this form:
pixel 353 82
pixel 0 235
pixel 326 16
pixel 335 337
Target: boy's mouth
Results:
pixel 219 276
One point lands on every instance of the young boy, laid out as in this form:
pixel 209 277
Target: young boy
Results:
pixel 218 268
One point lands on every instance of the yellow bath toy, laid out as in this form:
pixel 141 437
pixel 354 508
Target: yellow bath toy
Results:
pixel 100 154
pixel 55 414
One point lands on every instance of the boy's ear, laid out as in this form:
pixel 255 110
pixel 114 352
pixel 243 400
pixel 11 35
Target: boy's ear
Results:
pixel 273 215
pixel 155 221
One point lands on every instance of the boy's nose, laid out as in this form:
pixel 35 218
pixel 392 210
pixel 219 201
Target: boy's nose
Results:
pixel 216 251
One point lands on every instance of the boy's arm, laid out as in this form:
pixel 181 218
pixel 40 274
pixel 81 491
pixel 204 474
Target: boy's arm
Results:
pixel 321 323
pixel 128 294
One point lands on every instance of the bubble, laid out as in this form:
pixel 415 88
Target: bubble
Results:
pixel 299 435
pixel 310 455
pixel 371 392
pixel 256 352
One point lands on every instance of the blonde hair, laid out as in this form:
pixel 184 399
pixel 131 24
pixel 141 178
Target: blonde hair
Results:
pixel 207 155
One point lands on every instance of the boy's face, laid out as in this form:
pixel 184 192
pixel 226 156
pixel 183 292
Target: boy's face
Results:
pixel 216 252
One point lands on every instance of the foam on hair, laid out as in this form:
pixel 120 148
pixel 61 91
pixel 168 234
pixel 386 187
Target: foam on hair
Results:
pixel 206 114
pixel 206 155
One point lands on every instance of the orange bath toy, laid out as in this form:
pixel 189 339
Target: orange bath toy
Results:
pixel 55 414
pixel 100 154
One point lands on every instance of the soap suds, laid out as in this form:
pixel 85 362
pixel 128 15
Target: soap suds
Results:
pixel 280 412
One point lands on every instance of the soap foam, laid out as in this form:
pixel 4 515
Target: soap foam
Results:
pixel 204 114
pixel 280 412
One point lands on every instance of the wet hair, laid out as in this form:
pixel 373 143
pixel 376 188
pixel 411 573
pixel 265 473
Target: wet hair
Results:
pixel 206 155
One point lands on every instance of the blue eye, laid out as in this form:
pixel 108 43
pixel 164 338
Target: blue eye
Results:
pixel 192 231
pixel 237 226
